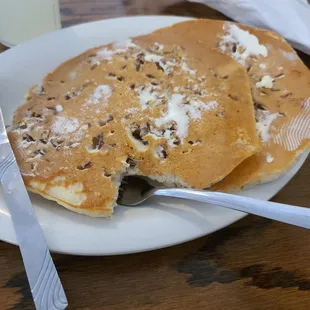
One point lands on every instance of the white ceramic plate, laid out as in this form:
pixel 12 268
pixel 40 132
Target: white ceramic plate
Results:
pixel 158 223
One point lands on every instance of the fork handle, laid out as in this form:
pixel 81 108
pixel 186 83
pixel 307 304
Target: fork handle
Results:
pixel 298 216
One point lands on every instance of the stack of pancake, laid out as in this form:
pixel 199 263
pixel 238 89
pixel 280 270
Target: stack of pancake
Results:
pixel 200 104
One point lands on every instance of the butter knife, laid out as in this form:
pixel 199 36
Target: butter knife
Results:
pixel 45 285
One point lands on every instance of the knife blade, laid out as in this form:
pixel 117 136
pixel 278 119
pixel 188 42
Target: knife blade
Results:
pixel 45 285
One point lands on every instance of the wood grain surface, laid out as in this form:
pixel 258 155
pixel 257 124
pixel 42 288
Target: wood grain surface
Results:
pixel 254 264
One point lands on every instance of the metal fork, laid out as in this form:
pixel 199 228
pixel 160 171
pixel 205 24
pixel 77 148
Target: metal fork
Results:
pixel 135 190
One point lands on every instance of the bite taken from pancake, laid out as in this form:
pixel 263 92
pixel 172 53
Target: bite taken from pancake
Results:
pixel 164 107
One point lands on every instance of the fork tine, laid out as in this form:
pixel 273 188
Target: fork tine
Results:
pixel 120 194
pixel 133 190
pixel 125 180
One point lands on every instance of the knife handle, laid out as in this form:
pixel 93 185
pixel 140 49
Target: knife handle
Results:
pixel 45 285
pixel 48 292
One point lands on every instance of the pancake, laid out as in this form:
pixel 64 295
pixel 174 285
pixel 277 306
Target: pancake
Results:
pixel 163 108
pixel 280 85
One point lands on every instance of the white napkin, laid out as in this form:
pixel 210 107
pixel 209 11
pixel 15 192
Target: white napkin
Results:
pixel 290 18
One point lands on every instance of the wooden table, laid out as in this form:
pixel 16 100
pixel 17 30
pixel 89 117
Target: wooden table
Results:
pixel 254 264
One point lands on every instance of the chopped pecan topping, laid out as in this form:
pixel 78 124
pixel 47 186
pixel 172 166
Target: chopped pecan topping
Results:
pixel 98 142
pixel 83 166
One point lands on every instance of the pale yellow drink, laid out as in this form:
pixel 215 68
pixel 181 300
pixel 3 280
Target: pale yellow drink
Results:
pixel 21 20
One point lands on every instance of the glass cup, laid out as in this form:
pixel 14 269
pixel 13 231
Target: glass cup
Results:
pixel 21 20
